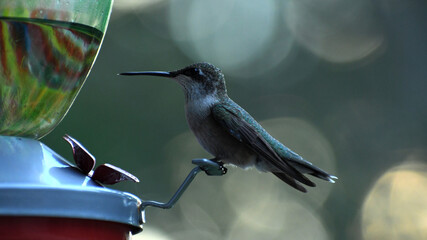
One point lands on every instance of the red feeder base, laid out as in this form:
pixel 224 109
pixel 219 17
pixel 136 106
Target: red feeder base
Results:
pixel 50 228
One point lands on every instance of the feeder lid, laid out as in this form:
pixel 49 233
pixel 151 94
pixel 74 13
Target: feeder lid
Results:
pixel 36 181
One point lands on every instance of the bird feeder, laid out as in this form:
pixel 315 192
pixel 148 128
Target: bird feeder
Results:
pixel 42 196
pixel 47 49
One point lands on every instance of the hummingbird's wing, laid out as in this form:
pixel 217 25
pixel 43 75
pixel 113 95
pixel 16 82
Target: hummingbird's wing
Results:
pixel 242 127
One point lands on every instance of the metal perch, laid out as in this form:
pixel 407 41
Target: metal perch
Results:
pixel 210 167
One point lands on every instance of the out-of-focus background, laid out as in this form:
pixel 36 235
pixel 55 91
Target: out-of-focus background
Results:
pixel 341 82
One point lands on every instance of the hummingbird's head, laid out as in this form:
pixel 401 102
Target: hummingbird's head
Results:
pixel 198 80
pixel 201 79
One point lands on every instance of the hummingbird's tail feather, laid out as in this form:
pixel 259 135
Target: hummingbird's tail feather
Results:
pixel 324 176
pixel 308 168
pixel 285 178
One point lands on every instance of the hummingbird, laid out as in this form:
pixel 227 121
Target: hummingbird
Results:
pixel 229 133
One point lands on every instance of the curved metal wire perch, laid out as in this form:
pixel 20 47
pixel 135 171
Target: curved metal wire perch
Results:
pixel 210 167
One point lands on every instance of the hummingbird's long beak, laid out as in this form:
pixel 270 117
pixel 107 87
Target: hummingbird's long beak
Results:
pixel 150 73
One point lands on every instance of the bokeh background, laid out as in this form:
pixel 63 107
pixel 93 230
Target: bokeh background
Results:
pixel 341 82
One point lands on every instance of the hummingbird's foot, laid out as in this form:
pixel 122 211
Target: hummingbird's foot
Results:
pixel 210 167
pixel 221 166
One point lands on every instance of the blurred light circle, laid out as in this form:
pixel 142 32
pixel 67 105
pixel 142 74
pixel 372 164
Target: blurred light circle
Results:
pixel 396 206
pixel 277 219
pixel 151 233
pixel 127 5
pixel 198 217
pixel 193 20
pixel 251 186
pixel 338 31
pixel 184 147
pixel 192 233
pixel 230 33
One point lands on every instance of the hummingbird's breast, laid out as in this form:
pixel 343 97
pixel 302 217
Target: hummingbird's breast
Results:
pixel 214 138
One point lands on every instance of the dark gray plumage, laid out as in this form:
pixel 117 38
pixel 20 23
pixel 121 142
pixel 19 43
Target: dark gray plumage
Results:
pixel 229 133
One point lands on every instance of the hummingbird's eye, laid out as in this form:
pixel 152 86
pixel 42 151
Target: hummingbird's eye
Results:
pixel 194 72
pixel 198 71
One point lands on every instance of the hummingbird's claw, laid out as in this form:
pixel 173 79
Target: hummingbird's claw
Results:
pixel 210 167
pixel 222 168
